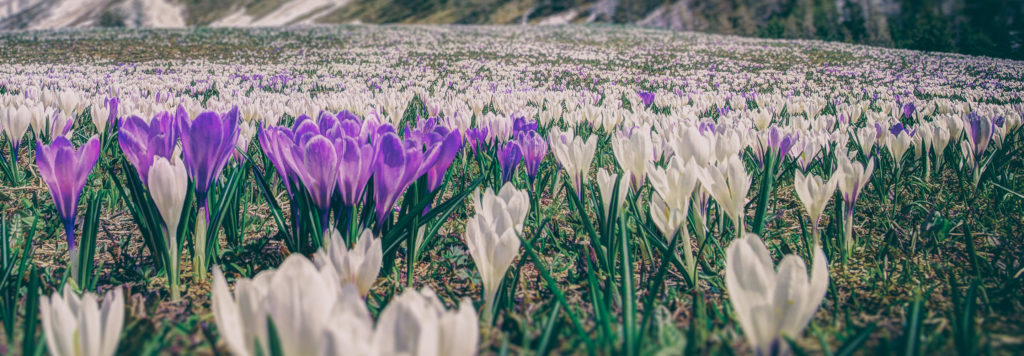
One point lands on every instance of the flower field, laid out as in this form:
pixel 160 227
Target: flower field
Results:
pixel 460 190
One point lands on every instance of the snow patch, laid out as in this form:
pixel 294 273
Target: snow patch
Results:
pixel 291 12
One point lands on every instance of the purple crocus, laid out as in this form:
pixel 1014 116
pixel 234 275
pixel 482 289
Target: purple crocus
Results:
pixel 355 165
pixel 65 171
pixel 476 136
pixel 521 124
pixel 908 110
pixel 509 158
pixel 207 142
pixel 646 97
pixel 448 146
pixel 276 143
pixel 389 171
pixel 534 148
pixel 141 142
pixel 979 133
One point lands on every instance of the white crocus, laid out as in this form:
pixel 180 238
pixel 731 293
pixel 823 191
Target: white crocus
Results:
pixel 297 297
pixel 15 122
pixel 866 137
pixel 80 326
pixel 815 194
pixel 100 113
pixel 940 139
pixel 632 153
pixel 168 185
pixel 770 304
pixel 670 206
pixel 728 183
pixel 575 155
pixel 606 186
pixel 417 323
pixel 492 236
pixel 359 265
pixel 898 146
pixel 693 145
pixel 852 177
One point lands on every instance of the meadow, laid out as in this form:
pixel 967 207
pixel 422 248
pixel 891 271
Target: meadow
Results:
pixel 460 190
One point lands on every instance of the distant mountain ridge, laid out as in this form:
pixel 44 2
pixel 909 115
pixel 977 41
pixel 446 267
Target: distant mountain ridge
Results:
pixel 991 27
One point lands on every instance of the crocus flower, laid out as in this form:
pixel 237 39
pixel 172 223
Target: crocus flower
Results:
pixel 317 167
pixel 534 149
pixel 297 297
pixel 389 172
pixel 509 158
pixel 908 110
pixel 728 183
pixel 168 185
pixel 980 130
pixel 141 141
pixel 646 97
pixel 104 113
pixel 446 146
pixel 694 145
pixel 355 169
pixel 770 303
pixel 606 185
pixel 65 171
pixel 814 194
pixel 575 155
pixel 492 235
pixel 522 125
pixel 417 323
pixel 207 142
pixel 851 179
pixel 633 151
pixel 81 326
pixel 359 265
pixel 15 122
pixel 476 137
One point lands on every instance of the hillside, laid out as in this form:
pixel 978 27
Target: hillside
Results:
pixel 987 27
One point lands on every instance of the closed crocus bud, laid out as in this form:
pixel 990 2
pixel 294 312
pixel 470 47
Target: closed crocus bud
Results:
pixel 409 325
pixel 460 330
pixel 606 186
pixel 15 122
pixel 359 265
pixel 80 326
pixel 814 194
pixel 575 155
pixel 898 146
pixel 728 183
pixel 770 303
pixel 492 236
pixel 168 185
pixel 633 151
pixel 940 139
pixel 866 139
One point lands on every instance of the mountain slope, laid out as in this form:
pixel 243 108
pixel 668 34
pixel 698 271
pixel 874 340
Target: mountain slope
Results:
pixel 991 27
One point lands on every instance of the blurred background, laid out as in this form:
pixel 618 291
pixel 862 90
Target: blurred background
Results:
pixel 980 27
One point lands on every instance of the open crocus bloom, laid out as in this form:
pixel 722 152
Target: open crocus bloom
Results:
pixel 771 303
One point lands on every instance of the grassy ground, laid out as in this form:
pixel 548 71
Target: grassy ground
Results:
pixel 911 231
